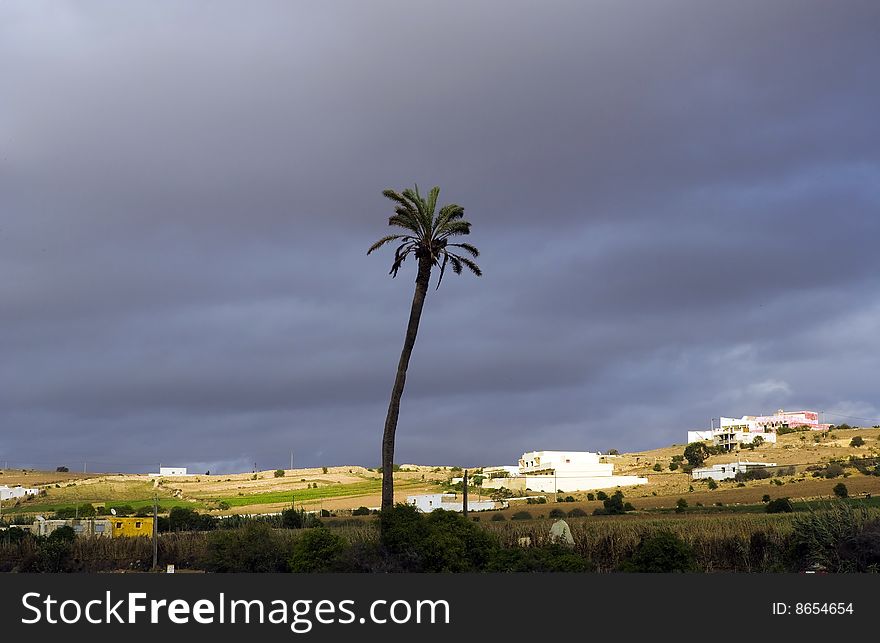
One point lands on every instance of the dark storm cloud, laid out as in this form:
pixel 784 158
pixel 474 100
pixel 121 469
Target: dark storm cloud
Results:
pixel 677 205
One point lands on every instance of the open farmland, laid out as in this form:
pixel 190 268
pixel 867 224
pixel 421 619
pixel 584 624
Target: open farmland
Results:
pixel 348 487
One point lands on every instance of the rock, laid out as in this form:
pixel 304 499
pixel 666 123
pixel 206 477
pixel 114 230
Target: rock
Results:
pixel 561 534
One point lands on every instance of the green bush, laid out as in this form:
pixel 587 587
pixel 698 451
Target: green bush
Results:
pixel 591 496
pixel 255 547
pixel 780 505
pixel 712 484
pixel 680 505
pixel 550 558
pixel 857 441
pixel 601 495
pixel 840 490
pixel 498 518
pixel 828 538
pixel 318 550
pixel 441 541
pixel 186 519
pixel 521 515
pixel 765 497
pixel 557 513
pixel 663 552
pixel 577 512
pixel 673 465
pixel 361 511
pixel 696 453
pixel 279 473
pixel 658 467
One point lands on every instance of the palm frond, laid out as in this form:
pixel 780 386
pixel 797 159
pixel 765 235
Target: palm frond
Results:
pixel 449 212
pixel 381 242
pixel 467 247
pixel 432 202
pixel 420 208
pixel 453 228
pixel 473 267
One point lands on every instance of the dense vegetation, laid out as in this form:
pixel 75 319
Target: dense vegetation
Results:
pixel 838 537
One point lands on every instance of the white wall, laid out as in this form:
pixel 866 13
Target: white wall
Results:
pixel 10 493
pixel 172 471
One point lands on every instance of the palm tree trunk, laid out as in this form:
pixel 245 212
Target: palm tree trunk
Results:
pixel 412 329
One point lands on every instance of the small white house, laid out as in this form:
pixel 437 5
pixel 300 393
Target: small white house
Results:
pixel 728 470
pixel 13 493
pixel 448 502
pixel 171 472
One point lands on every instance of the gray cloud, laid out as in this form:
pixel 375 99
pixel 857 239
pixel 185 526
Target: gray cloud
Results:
pixel 677 205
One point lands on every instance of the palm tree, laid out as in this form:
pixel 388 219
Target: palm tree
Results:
pixel 426 236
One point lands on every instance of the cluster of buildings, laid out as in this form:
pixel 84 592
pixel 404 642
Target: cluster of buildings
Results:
pixel 110 527
pixel 16 493
pixel 733 432
pixel 558 471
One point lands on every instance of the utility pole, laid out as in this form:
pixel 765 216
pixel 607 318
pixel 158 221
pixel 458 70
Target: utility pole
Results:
pixel 84 467
pixel 464 495
pixel 291 458
pixel 155 530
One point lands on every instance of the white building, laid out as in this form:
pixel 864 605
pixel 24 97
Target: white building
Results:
pixel 171 472
pixel 729 438
pixel 744 430
pixel 555 471
pixel 728 471
pixel 449 502
pixel 13 493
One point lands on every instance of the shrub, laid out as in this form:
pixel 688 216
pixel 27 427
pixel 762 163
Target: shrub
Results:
pixel 223 505
pixel 323 469
pixel 833 470
pixel 441 541
pixel 840 490
pixel 696 453
pixel 361 511
pixel 536 501
pixel 657 467
pixel 825 539
pixel 521 515
pixel 613 452
pixel 255 547
pixel 601 495
pixel 279 473
pixel 557 513
pixel 318 550
pixel 62 470
pixel 778 506
pixel 498 518
pixel 550 558
pixel 577 512
pixel 712 484
pixel 765 497
pixel 569 499
pixel 673 465
pixel 857 441
pixel 680 505
pixel 663 552
pixel 614 504
pixel 591 496
pixel 185 519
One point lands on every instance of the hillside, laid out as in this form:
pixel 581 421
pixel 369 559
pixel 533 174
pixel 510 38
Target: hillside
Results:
pixel 349 487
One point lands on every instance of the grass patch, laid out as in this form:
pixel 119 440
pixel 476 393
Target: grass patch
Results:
pixel 306 495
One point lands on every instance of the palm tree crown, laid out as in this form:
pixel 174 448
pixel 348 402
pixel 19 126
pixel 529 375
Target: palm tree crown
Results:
pixel 427 234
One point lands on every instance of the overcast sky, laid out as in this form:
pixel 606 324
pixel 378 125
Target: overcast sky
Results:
pixel 677 204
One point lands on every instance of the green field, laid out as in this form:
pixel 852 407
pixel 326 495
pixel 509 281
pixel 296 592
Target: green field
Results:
pixel 365 488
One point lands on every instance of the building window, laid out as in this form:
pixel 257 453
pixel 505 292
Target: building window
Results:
pixel 137 525
pixel 119 525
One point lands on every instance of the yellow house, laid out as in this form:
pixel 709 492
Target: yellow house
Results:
pixel 131 526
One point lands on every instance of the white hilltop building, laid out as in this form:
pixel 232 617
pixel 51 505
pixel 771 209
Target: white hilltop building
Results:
pixel 732 432
pixel 171 472
pixel 558 471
